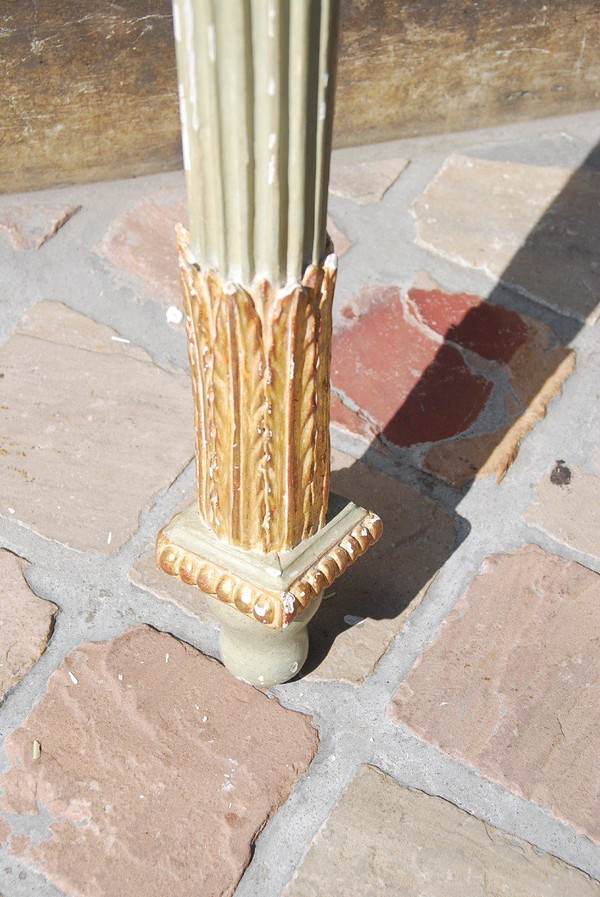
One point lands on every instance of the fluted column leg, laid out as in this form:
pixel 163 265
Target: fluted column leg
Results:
pixel 258 277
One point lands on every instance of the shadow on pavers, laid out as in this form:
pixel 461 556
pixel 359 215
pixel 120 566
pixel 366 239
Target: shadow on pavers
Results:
pixel 392 577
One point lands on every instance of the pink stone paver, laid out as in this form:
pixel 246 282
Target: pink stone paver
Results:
pixel 385 840
pixel 29 225
pixel 140 246
pixel 372 600
pixel 90 429
pixel 365 182
pixel 566 505
pixel 511 684
pixel 26 622
pixel 157 768
pixel 140 251
pixel 145 574
pixel 341 243
pixel 534 227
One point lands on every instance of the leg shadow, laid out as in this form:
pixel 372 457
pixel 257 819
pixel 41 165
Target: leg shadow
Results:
pixel 515 348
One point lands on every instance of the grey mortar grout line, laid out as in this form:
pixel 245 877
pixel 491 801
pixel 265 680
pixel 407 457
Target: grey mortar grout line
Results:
pixel 412 762
pixel 33 884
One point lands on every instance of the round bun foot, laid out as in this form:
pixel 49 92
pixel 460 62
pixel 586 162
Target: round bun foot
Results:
pixel 256 652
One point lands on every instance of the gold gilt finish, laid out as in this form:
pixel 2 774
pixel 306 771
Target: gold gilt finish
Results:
pixel 274 607
pixel 259 359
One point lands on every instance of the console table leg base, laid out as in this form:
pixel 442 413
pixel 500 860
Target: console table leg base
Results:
pixel 259 654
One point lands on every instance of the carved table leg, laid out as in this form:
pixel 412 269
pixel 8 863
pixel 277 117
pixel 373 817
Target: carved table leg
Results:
pixel 265 537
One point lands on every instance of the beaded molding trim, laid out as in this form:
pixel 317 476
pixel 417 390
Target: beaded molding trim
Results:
pixel 271 607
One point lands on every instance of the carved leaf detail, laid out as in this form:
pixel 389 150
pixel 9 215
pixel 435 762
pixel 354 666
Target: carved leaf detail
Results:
pixel 322 441
pixel 249 418
pixel 279 354
pixel 197 321
pixel 308 417
pixel 223 410
pixel 259 360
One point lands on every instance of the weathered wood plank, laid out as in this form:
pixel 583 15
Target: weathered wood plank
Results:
pixel 89 90
pixel 428 67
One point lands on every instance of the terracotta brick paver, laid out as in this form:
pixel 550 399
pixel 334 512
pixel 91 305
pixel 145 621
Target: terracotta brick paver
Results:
pixel 90 428
pixel 157 770
pixel 383 839
pixel 26 622
pixel 399 372
pixel 511 683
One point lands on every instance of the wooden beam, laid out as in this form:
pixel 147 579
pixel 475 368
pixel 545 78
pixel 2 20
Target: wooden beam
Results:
pixel 90 90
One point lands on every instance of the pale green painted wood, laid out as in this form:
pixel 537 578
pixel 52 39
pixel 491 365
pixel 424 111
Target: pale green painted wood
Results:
pixel 257 653
pixel 257 83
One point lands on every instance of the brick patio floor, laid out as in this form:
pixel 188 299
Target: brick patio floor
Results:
pixel 444 736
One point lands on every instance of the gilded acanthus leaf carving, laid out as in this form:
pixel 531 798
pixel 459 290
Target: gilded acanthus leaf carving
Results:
pixel 259 358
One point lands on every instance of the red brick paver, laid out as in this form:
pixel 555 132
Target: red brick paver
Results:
pixel 489 330
pixel 411 388
pixel 399 371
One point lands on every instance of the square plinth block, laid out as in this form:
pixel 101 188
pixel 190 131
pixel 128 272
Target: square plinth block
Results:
pixel 271 588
